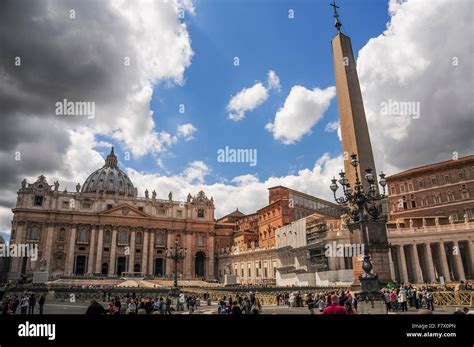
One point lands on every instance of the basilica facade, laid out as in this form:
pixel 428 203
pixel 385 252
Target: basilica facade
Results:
pixel 104 228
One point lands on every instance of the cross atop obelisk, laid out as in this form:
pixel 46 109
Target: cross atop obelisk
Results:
pixel 354 131
pixel 337 24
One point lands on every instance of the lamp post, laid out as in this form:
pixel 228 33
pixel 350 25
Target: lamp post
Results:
pixel 176 254
pixel 363 206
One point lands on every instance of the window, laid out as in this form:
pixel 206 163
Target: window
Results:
pixel 421 184
pixel 107 236
pixel 437 199
pixel 38 201
pixel 61 234
pixel 242 272
pixel 65 204
pixel 138 238
pixel 424 202
pixel 393 190
pixel 122 237
pixel 454 216
pixel 140 208
pixel 410 186
pixel 200 241
pixel 465 193
pixel 461 175
pixel 402 188
pixel 109 206
pixel 86 205
pixel 34 233
pixel 451 196
pixel 83 235
pixel 470 213
pixel 159 238
pixel 179 213
pixel 434 181
pixel 249 273
pixel 162 211
pixel 200 213
pixel 447 179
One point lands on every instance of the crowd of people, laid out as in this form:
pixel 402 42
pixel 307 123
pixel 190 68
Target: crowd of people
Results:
pixel 241 304
pixel 26 302
pixel 133 304
pixel 327 302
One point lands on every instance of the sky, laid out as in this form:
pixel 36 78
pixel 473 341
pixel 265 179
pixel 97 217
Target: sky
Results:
pixel 175 82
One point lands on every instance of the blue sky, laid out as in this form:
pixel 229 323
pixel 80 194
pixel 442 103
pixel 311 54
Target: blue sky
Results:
pixel 263 37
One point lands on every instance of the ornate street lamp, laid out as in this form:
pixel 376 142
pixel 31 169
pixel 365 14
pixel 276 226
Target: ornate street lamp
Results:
pixel 176 254
pixel 363 206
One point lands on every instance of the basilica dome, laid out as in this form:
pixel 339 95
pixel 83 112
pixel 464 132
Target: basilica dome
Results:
pixel 109 179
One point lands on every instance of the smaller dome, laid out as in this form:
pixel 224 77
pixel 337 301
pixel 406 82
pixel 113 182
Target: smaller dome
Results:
pixel 109 179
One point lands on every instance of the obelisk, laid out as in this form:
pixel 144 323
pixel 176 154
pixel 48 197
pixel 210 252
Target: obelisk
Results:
pixel 356 139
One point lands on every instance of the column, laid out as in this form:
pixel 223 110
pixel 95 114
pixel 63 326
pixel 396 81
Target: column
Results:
pixel 169 262
pixel 113 248
pixel 402 265
pixel 90 260
pixel 151 255
pixel 48 246
pixel 144 250
pixel 444 262
pixel 416 264
pixel 342 265
pixel 131 255
pixel 470 256
pixel 70 253
pixel 458 262
pixel 19 235
pixel 211 274
pixel 100 240
pixel 392 265
pixel 429 263
pixel 189 260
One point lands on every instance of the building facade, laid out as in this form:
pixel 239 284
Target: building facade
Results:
pixel 104 228
pixel 439 190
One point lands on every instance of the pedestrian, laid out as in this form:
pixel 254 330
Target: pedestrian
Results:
pixel 334 308
pixel 31 304
pixel 310 303
pixel 95 309
pixel 41 301
pixel 24 305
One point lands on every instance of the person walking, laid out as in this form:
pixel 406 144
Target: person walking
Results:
pixel 31 304
pixel 334 308
pixel 41 302
pixel 24 305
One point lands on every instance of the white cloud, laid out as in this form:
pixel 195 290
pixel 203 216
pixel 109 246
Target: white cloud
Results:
pixel 413 61
pixel 303 108
pixel 250 98
pixel 334 126
pixel 196 172
pixel 246 100
pixel 186 131
pixel 273 81
pixel 246 192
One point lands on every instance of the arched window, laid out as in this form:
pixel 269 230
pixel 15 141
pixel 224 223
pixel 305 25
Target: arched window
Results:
pixel 34 233
pixel 61 234
pixel 138 239
pixel 83 234
pixel 107 236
